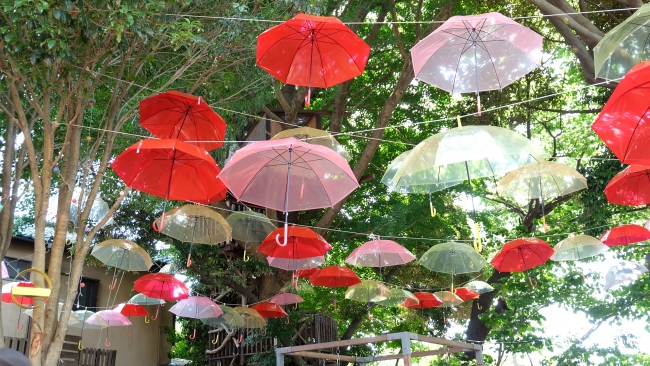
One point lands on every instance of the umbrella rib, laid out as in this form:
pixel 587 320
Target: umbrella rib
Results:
pixel 629 144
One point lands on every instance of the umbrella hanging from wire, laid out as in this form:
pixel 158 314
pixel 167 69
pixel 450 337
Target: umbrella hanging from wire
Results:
pixel 622 273
pixel 161 286
pixel 109 317
pixel 22 300
pixel 520 255
pixel 379 253
pixel 249 227
pixel 196 307
pixel 122 254
pixel 316 137
pixel 129 310
pixel 397 296
pixel 448 298
pixel 334 277
pixel 301 248
pixel 466 294
pixel 479 286
pixel 252 319
pixel 423 300
pixel 229 319
pixel 269 310
pixel 625 235
pixel 577 247
pixel 296 264
pixel 630 187
pixel 453 258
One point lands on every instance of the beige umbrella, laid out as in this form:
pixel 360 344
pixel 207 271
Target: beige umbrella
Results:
pixel 448 299
pixel 316 137
pixel 578 247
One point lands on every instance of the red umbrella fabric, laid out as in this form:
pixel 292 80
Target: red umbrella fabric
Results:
pixel 306 273
pixel 269 310
pixel 624 124
pixel 335 276
pixel 522 254
pixel 170 169
pixel 176 115
pixel 302 242
pixel 286 298
pixel 379 253
pixel 466 294
pixel 129 310
pixel 426 300
pixel 624 235
pixel 6 293
pixel 311 51
pixel 630 187
pixel 162 286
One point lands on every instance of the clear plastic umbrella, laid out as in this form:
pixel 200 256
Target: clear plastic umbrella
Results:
pixel 122 254
pixel 453 258
pixel 398 296
pixel 316 137
pixel 252 319
pixel 479 286
pixel 368 291
pixel 578 247
pixel 229 319
pixel 622 273
pixel 448 299
pixel 541 180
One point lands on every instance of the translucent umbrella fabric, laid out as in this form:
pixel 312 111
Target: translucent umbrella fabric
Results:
pixel 448 298
pixel 296 264
pixel 623 272
pixel 453 258
pixel 368 291
pixel 578 247
pixel 286 299
pixel 479 286
pixel 98 210
pixel 394 167
pixel 122 254
pixel 230 318
pixel 109 317
pixel 5 273
pixel 141 299
pixel 249 226
pixel 398 296
pixel 195 224
pixel 316 137
pixel 541 180
pixel 379 253
pixel 72 320
pixel 196 307
pixel 252 319
pixel 83 316
pixel 466 294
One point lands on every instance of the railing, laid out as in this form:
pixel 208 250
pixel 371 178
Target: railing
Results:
pixel 19 344
pixel 70 353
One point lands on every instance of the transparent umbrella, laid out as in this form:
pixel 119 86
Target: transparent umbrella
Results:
pixel 249 227
pixel 453 258
pixel 316 137
pixel 622 273
pixel 578 247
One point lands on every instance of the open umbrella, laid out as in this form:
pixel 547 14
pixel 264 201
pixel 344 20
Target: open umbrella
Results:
pixel 476 53
pixel 82 317
pixel 625 235
pixel 334 276
pixel 397 296
pixel 623 272
pixel 521 255
pixel 623 123
pixel 311 50
pixel 424 300
pixel 630 187
pixel 195 224
pixel 288 175
pixel 252 319
pixel 578 247
pixel 269 310
pixel 144 300
pixel 22 300
pixel 306 273
pixel 161 286
pixel 5 273
pixel 123 254
pixel 290 264
pixel 624 46
pixel 286 298
pixel 448 298
pixel 229 319
pixel 466 294
pixel 176 115
pixel 453 258
pixel 249 227
pixel 130 310
pixel 109 317
pixel 196 307
pixel 479 286
pixel 98 210
pixel 368 291
pixel 379 253
pixel 316 137
pixel 298 285
pixel 301 242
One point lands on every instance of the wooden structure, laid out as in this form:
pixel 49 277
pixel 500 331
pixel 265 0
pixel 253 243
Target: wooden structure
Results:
pixel 19 344
pixel 309 350
pixel 70 353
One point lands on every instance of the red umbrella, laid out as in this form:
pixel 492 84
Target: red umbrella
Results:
pixel 176 115
pixel 335 276
pixel 306 273
pixel 129 310
pixel 623 123
pixel 466 294
pixel 286 298
pixel 6 293
pixel 522 254
pixel 426 300
pixel 630 187
pixel 311 51
pixel 161 286
pixel 301 242
pixel 269 310
pixel 624 235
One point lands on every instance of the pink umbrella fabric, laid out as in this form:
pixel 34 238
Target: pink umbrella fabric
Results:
pixel 111 317
pixel 477 52
pixel 286 299
pixel 5 273
pixel 288 175
pixel 197 307
pixel 379 253
pixel 295 264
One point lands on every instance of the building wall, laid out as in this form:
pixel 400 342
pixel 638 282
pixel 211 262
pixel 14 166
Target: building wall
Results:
pixel 147 345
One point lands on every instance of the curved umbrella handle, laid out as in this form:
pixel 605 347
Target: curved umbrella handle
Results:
pixel 478 102
pixel 241 338
pixel 19 326
pixel 264 332
pixel 107 343
pixel 295 306
pixel 288 321
pixel 112 285
pixel 155 317
pixel 286 236
pixel 193 334
pixel 308 97
pixel 189 260
pixel 370 317
pixel 215 340
pixel 80 346
pixel 162 223
pixel 246 257
pixel 478 306
pixel 128 332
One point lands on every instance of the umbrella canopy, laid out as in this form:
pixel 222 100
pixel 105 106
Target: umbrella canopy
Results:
pixel 315 137
pixel 161 286
pixel 5 273
pixel 541 180
pixel 522 254
pixel 398 296
pixel 623 272
pixel 301 242
pixel 334 276
pixel 306 273
pixel 424 300
pixel 368 291
pixel 176 115
pixel 82 316
pixel 98 210
pixel 111 318
pixel 141 299
pixel 123 254
pixel 73 319
pixel 300 285
pixel 578 247
pixel 129 310
pixel 466 294
pixel 623 122
pixel 454 258
pixel 624 235
pixel 379 253
pixel 252 319
pixel 448 299
pixel 229 319
pixel 22 300
pixel 394 167
pixel 249 226
pixel 170 169
pixel 269 310
pixel 195 224
pixel 286 299
pixel 624 46
pixel 311 51
pixel 479 286
pixel 296 264
pixel 630 187
pixel 476 53
pixel 197 307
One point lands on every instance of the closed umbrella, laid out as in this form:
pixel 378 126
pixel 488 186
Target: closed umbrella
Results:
pixel 625 235
pixel 578 247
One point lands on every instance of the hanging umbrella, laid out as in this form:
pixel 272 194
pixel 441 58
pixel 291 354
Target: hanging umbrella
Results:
pixel 109 317
pixel 302 243
pixel 453 258
pixel 196 307
pixel 306 273
pixel 631 187
pixel 623 272
pixel 172 170
pixel 334 276
pixel 5 273
pixel 622 123
pixel 624 46
pixel 249 227
pixel 316 137
pixel 311 50
pixel 397 296
pixel 288 175
pixel 130 310
pixel 98 210
pixel 123 254
pixel 73 319
pixel 295 264
pixel 195 224
pixel 229 319
pixel 252 319
pixel 83 316
pixel 298 285
pixel 522 254
pixel 368 291
pixel 22 300
pixel 161 286
pixel 176 115
pixel 141 299
pixel 625 235
pixel 476 53
pixel 379 253
pixel 448 299
pixel 479 286
pixel 424 300
pixel 269 310
pixel 466 294
pixel 285 298
pixel 578 247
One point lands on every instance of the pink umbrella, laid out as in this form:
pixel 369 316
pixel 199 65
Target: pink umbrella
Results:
pixel 379 253
pixel 111 318
pixel 5 273
pixel 196 307
pixel 288 175
pixel 286 299
pixel 289 264
pixel 476 52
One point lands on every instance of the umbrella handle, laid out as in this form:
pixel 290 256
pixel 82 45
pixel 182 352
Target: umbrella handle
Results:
pixel 286 236
pixel 155 317
pixel 19 326
pixel 433 209
pixel 308 97
pixel 107 343
pixel 189 260
pixel 162 223
pixel 531 282
pixel 193 334
pixel 241 338
pixel 128 332
pixel 370 317
pixel 146 319
pixel 295 306
pixel 68 242
pixel 215 340
pixel 112 285
pixel 478 306
pixel 80 346
pixel 287 321
pixel 264 332
pixel 246 257
pixel 478 102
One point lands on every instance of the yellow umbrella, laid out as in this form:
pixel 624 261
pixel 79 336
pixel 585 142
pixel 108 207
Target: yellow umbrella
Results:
pixel 316 137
